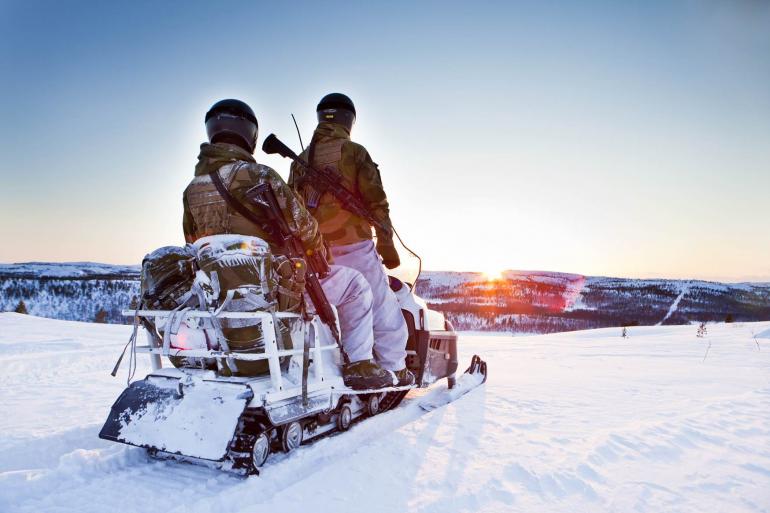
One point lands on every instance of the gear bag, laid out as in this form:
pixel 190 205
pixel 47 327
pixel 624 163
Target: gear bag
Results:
pixel 244 278
pixel 167 276
pixel 234 273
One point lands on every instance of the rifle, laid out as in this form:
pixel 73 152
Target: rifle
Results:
pixel 317 266
pixel 330 181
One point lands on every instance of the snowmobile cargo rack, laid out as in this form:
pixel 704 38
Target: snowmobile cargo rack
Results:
pixel 272 354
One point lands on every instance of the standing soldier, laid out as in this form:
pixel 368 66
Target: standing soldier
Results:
pixel 349 235
pixel 232 130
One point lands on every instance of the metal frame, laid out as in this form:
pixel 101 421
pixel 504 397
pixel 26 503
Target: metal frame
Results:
pixel 272 354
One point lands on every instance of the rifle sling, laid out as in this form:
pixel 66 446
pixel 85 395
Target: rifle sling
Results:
pixel 248 214
pixel 237 205
pixel 315 180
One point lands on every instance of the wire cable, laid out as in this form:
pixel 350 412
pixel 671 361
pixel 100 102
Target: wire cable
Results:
pixel 298 134
pixel 419 260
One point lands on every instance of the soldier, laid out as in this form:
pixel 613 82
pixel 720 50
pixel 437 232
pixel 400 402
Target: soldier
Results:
pixel 232 130
pixel 349 235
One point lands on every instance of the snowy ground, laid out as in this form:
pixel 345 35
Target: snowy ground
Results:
pixel 583 422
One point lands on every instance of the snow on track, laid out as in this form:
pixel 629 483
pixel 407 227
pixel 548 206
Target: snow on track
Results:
pixel 584 421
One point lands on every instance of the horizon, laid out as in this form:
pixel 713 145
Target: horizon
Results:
pixel 490 276
pixel 605 139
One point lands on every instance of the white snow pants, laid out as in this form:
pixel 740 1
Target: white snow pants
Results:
pixel 390 331
pixel 347 290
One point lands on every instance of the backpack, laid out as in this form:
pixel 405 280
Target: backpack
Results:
pixel 236 273
pixel 243 276
pixel 167 275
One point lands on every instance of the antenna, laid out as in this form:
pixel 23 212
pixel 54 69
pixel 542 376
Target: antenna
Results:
pixel 298 134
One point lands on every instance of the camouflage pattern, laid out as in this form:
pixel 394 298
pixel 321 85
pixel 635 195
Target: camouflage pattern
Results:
pixel 360 175
pixel 207 213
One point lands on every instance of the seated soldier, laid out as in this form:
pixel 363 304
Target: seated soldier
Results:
pixel 232 130
pixel 349 235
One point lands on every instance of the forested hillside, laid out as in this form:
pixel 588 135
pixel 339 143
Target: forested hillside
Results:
pixel 519 302
pixel 537 302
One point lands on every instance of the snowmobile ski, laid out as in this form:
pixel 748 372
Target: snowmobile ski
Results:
pixel 474 376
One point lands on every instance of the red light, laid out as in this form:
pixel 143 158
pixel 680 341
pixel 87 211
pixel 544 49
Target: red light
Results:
pixel 180 341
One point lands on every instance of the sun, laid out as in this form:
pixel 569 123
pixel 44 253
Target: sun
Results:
pixel 493 275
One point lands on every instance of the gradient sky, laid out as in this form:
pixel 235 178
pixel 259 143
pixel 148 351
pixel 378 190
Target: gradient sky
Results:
pixel 603 138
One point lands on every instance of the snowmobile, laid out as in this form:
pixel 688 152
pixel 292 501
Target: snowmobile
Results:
pixel 212 416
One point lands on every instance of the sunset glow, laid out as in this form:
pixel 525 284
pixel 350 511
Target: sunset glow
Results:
pixel 493 275
pixel 523 144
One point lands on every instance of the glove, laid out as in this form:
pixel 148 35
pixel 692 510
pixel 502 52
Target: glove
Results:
pixel 388 252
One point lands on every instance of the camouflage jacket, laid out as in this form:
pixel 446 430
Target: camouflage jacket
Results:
pixel 207 213
pixel 332 147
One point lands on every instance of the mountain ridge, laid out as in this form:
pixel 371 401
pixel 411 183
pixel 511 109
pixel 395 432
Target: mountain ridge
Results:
pixel 519 301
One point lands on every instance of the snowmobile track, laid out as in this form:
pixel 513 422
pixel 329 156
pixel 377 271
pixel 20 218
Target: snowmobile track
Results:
pixel 474 376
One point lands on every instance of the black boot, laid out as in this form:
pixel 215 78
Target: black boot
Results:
pixel 365 375
pixel 404 377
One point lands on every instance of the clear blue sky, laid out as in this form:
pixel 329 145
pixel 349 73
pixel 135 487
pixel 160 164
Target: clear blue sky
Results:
pixel 615 138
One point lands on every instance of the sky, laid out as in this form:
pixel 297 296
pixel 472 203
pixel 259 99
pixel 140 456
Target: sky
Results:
pixel 596 137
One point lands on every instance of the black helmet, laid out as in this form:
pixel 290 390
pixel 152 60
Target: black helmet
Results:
pixel 336 108
pixel 234 122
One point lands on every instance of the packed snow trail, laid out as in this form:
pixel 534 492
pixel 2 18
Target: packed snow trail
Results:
pixel 585 421
pixel 685 288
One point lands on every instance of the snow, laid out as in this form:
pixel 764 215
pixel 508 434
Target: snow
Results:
pixel 449 278
pixel 203 436
pixel 682 291
pixel 453 278
pixel 605 281
pixel 67 270
pixel 583 421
